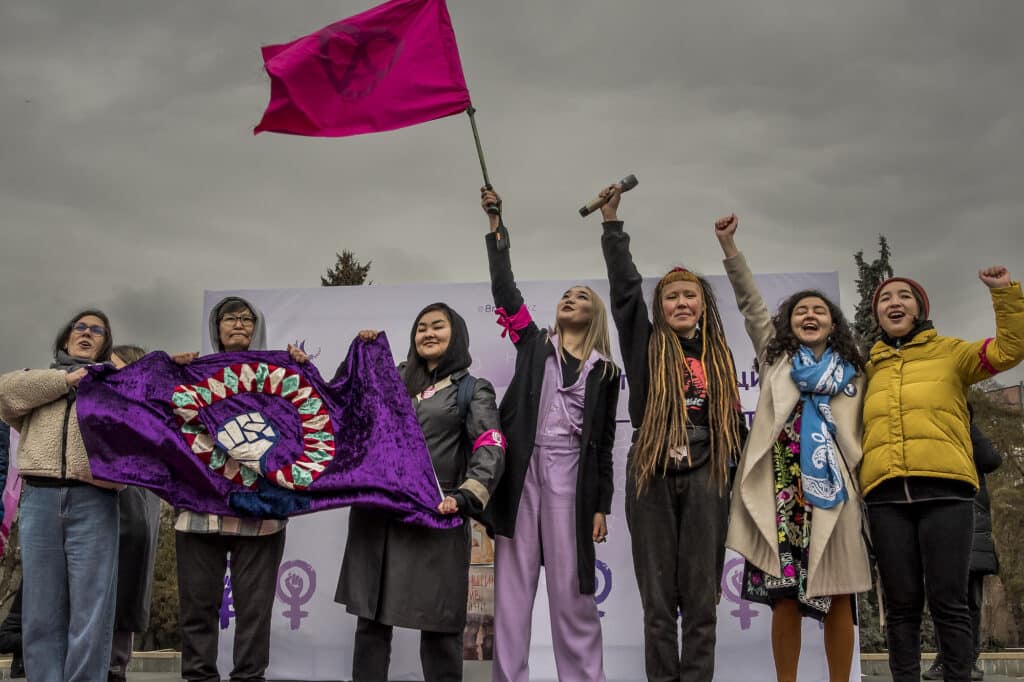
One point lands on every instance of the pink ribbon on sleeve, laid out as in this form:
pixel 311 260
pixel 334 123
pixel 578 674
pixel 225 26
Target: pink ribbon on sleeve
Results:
pixel 513 323
pixel 985 362
pixel 490 437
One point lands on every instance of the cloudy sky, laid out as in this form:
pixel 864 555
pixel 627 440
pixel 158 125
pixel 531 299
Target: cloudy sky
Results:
pixel 130 178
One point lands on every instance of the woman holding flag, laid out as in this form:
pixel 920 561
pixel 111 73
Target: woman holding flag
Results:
pixel 550 507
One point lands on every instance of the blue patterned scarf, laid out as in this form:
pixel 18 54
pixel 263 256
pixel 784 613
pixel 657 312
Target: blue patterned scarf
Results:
pixel 818 381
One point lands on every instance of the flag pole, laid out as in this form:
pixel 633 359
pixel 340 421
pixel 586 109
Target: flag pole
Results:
pixel 494 209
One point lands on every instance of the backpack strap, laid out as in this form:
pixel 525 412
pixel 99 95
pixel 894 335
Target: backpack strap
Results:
pixel 464 396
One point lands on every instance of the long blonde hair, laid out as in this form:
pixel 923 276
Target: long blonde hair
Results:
pixel 597 336
pixel 665 416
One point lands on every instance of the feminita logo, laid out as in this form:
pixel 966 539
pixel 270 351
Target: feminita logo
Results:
pixel 296 583
pixel 732 589
pixel 369 53
pixel 602 584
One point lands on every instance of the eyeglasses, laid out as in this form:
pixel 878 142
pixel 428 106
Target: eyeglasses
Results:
pixel 245 320
pixel 94 329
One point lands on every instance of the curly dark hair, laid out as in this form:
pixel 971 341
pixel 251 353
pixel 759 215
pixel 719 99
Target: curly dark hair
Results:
pixel 784 342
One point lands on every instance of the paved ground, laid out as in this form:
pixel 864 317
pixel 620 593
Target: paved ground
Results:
pixel 173 677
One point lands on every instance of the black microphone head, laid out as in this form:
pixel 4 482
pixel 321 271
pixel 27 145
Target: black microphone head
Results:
pixel 628 182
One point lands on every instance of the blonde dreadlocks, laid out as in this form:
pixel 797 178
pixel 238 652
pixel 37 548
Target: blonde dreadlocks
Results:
pixel 665 417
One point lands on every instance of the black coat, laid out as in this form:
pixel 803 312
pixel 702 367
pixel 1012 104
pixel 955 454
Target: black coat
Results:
pixel 984 559
pixel 411 576
pixel 136 557
pixel 519 407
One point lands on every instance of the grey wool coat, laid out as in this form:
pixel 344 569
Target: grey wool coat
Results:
pixel 838 557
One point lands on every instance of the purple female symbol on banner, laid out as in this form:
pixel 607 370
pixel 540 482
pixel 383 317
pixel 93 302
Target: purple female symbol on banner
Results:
pixel 301 345
pixel 295 589
pixel 603 578
pixel 732 589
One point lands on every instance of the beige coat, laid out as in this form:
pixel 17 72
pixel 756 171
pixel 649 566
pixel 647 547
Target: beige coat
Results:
pixel 34 402
pixel 838 561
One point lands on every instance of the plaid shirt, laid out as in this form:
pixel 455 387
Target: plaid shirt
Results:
pixel 193 522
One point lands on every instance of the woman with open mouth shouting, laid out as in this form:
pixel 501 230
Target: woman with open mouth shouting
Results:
pixel 69 520
pixel 918 475
pixel 796 513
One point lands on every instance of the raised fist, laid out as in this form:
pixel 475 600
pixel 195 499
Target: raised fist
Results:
pixel 995 277
pixel 726 227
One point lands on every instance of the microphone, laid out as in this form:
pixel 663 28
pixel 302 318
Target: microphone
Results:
pixel 628 183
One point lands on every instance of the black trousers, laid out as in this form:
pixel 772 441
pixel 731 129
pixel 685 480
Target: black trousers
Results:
pixel 440 653
pixel 975 598
pixel 678 526
pixel 924 551
pixel 10 629
pixel 202 561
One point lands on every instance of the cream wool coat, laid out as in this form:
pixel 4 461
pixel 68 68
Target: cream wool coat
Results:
pixel 838 558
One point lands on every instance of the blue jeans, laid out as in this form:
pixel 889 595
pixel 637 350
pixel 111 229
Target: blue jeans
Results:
pixel 69 539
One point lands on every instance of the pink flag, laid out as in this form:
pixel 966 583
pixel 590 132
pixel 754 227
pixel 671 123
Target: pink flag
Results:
pixel 392 66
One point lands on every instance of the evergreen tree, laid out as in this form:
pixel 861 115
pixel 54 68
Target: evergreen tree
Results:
pixel 869 276
pixel 163 630
pixel 347 271
pixel 1004 426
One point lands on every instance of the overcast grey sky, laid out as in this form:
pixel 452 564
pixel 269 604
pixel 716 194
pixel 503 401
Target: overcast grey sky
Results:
pixel 130 178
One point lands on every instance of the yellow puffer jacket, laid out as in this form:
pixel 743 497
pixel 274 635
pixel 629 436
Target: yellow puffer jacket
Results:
pixel 915 409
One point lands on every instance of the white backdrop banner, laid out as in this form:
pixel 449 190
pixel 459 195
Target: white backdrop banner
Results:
pixel 312 635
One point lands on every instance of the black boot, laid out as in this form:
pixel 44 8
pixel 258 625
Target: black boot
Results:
pixel 17 666
pixel 10 640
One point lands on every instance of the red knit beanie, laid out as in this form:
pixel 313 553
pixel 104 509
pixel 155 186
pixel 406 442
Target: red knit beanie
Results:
pixel 917 289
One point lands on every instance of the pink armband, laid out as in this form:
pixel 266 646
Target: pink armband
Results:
pixel 490 437
pixel 983 356
pixel 513 323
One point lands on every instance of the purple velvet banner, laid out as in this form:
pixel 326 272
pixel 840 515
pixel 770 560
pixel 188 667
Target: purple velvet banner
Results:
pixel 256 434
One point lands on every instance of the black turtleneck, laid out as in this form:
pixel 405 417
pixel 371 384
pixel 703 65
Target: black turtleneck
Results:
pixel 922 325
